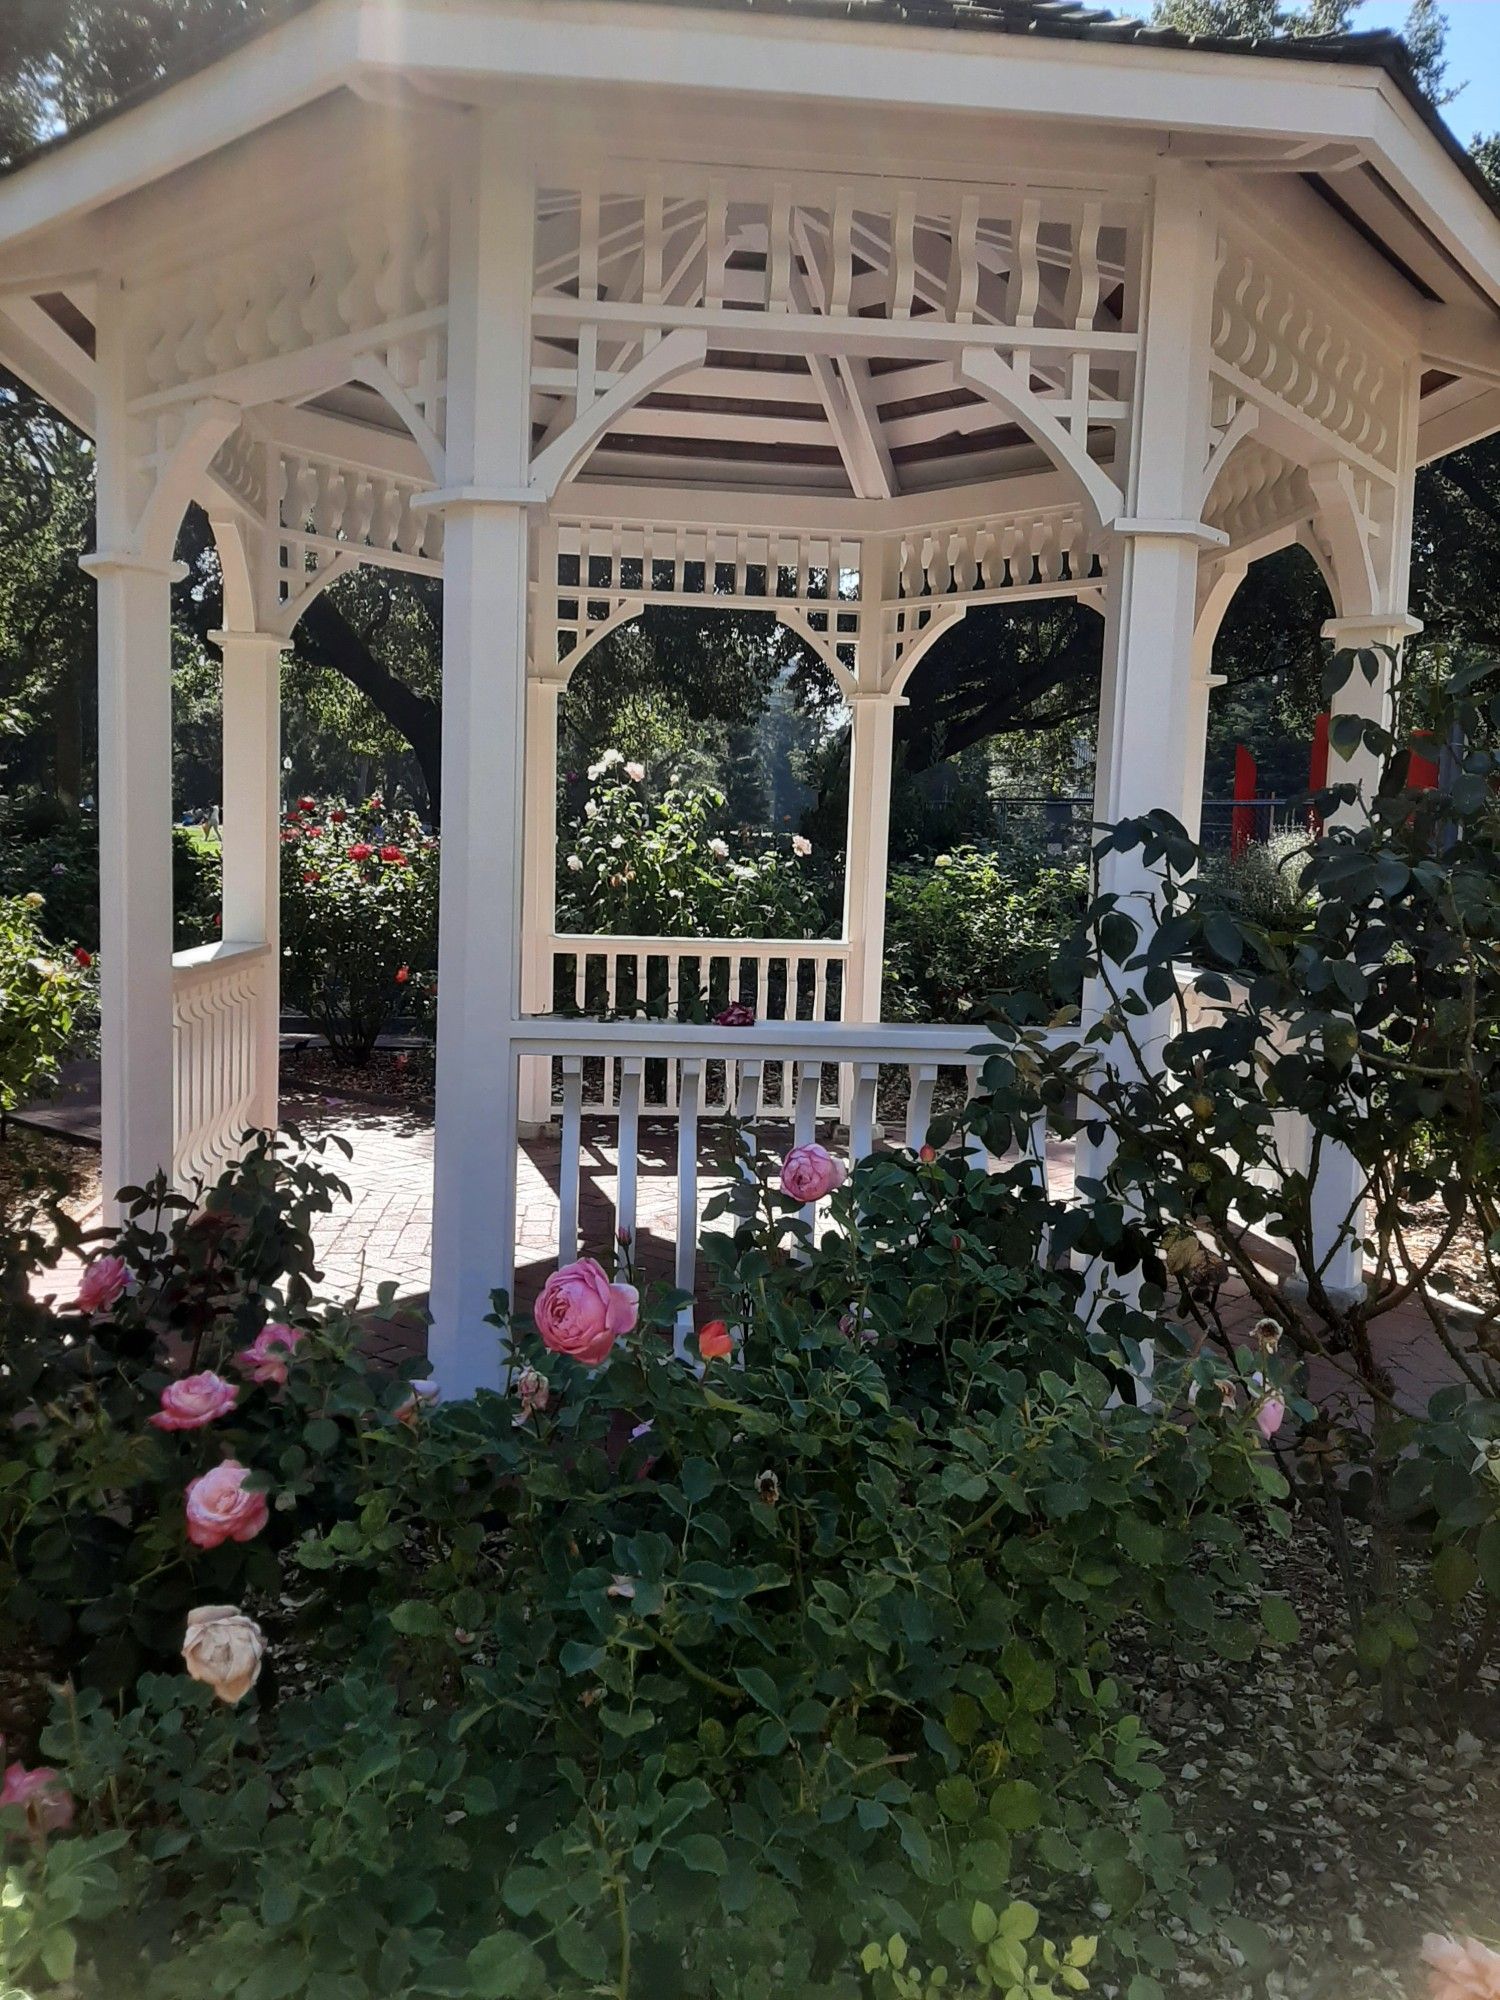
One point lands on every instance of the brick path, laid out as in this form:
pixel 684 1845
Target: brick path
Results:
pixel 384 1232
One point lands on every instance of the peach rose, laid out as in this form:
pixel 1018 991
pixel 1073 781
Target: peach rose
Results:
pixel 714 1342
pixel 47 1801
pixel 220 1508
pixel 1462 1969
pixel 195 1401
pixel 581 1313
pixel 266 1358
pixel 101 1284
pixel 809 1172
pixel 223 1648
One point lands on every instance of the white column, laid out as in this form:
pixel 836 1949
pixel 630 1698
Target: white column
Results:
pixel 1218 581
pixel 872 717
pixel 1338 1207
pixel 484 737
pixel 540 924
pixel 251 834
pixel 1150 725
pixel 135 868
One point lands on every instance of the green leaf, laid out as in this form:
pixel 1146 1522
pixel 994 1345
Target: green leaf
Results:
pixel 702 1853
pixel 760 1687
pixel 1487 1554
pixel 1454 1573
pixel 983 1923
pixel 1120 1884
pixel 505 1967
pixel 417 1619
pixel 957 1799
pixel 1281 1622
pixel 1016 1805
pixel 577 1658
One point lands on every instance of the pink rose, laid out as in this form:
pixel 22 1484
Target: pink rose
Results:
pixel 581 1313
pixel 195 1401
pixel 810 1172
pixel 1269 1417
pixel 735 1015
pixel 47 1800
pixel 101 1284
pixel 1462 1969
pixel 221 1509
pixel 266 1358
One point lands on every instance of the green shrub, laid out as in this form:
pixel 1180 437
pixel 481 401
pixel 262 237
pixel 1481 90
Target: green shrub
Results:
pixel 359 914
pixel 40 997
pixel 637 865
pixel 647 1684
pixel 1369 1022
pixel 971 926
pixel 1264 884
pixel 48 852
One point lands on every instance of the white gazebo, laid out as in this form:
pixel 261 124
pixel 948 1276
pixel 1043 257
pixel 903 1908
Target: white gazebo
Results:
pixel 861 312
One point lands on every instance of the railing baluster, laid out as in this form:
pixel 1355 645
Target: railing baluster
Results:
pixel 629 1142
pixel 862 1110
pixel 689 1097
pixel 746 1104
pixel 919 1104
pixel 975 1150
pixel 570 1163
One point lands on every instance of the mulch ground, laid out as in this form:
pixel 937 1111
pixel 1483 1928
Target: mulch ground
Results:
pixel 1347 1841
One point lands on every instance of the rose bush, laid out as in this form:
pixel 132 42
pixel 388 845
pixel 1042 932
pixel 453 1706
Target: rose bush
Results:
pixel 637 864
pixel 41 996
pixel 630 1680
pixel 359 903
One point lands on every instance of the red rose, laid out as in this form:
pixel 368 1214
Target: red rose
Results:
pixel 289 836
pixel 338 816
pixel 313 832
pixel 394 855
pixel 361 851
pixel 85 958
pixel 307 805
pixel 403 974
pixel 310 875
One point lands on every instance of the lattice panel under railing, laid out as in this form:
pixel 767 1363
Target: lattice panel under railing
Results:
pixel 601 574
pixel 216 1087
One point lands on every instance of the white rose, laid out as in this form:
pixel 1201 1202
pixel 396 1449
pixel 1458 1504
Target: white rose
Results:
pixel 801 845
pixel 223 1648
pixel 719 849
pixel 575 863
pixel 636 773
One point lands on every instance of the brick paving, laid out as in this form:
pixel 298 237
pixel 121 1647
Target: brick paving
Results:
pixel 383 1233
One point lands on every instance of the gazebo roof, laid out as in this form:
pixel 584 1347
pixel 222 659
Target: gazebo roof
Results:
pixel 1348 165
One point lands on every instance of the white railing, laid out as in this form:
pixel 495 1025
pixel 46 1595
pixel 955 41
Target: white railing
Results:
pixel 221 994
pixel 834 1072
pixel 801 981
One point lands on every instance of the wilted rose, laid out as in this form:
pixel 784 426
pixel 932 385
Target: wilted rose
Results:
pixel 46 1800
